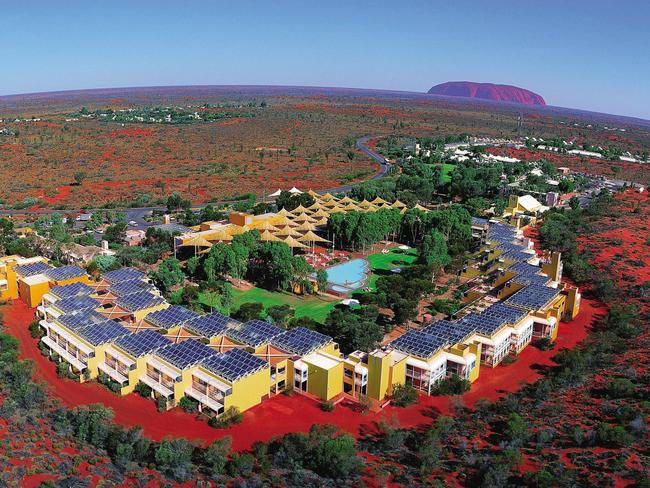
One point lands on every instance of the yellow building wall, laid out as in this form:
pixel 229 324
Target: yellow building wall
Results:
pixel 78 279
pixel 249 391
pixel 474 373
pixel 332 349
pixel 279 377
pixel 183 384
pixel 141 314
pixel 135 374
pixel 325 383
pixel 32 294
pixel 11 290
pixel 398 375
pixel 378 375
pixel 572 308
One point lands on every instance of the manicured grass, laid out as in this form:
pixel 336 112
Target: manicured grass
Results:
pixel 315 307
pixel 446 172
pixel 395 258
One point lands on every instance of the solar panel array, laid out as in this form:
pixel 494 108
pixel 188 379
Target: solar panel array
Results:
pixel 130 287
pixel 255 333
pixel 142 343
pixel 102 333
pixel 479 221
pixel 187 353
pixel 453 332
pixel 533 297
pixel 76 303
pixel 139 301
pixel 485 324
pixel 170 317
pixel 502 309
pixel 234 364
pixel 418 343
pixel 123 274
pixel 301 341
pixel 64 273
pixel 211 325
pixel 71 290
pixel 80 319
pixel 32 269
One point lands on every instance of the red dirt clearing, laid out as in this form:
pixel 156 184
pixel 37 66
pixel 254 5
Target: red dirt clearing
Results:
pixel 282 414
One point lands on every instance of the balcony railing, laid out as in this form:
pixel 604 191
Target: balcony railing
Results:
pixel 113 373
pixel 61 351
pixel 209 402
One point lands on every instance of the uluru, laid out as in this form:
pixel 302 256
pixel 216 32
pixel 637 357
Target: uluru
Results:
pixel 488 91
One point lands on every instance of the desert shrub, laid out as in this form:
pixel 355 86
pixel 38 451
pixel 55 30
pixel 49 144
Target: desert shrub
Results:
pixel 161 404
pixel 621 388
pixel 404 395
pixel 143 390
pixel 327 406
pixel 612 435
pixel 454 385
pixel 35 330
pixel 544 344
pixel 188 404
pixel 231 416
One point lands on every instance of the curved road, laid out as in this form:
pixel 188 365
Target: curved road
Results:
pixel 138 214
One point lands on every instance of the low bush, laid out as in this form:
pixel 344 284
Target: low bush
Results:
pixel 404 395
pixel 231 416
pixel 327 406
pixel 454 385
pixel 544 344
pixel 143 390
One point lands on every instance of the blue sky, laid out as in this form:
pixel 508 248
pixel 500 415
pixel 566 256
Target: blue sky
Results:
pixel 591 55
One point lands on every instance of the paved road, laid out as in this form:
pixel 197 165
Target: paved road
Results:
pixel 137 215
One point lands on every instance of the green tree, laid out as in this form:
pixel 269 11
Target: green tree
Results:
pixel 169 274
pixel 433 251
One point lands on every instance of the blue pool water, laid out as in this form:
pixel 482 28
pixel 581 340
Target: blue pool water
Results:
pixel 348 276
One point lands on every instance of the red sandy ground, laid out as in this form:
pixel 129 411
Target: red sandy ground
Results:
pixel 282 414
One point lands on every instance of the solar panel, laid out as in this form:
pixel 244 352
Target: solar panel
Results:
pixel 170 317
pixel 81 319
pixel 32 269
pixel 139 301
pixel 211 325
pixel 71 290
pixel 130 287
pixel 234 364
pixel 301 341
pixel 142 343
pixel 418 343
pixel 453 332
pixel 187 353
pixel 64 273
pixel 533 297
pixel 98 334
pixel 123 274
pixel 255 333
pixel 76 303
pixel 485 324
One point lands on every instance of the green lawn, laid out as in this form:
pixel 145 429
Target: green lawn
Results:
pixel 315 307
pixel 446 172
pixel 395 258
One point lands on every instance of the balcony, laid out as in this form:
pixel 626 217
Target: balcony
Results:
pixel 163 390
pixel 67 357
pixel 113 373
pixel 204 399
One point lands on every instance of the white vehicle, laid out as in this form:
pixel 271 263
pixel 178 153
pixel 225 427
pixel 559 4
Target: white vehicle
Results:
pixel 133 223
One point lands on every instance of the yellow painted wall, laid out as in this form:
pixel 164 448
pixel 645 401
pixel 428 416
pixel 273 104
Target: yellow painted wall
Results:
pixel 11 291
pixel 475 349
pixel 33 294
pixel 325 383
pixel 141 314
pixel 398 375
pixel 249 391
pixel 378 375
pixel 135 374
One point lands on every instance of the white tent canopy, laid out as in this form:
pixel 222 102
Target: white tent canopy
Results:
pixel 295 191
pixel 276 193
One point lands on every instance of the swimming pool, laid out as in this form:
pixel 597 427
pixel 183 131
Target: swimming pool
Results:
pixel 348 276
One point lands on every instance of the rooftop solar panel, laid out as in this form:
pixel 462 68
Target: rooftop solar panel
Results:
pixel 71 290
pixel 234 364
pixel 98 334
pixel 533 297
pixel 139 301
pixel 186 354
pixel 32 269
pixel 64 273
pixel 211 325
pixel 81 319
pixel 301 341
pixel 142 343
pixel 255 332
pixel 454 332
pixel 123 274
pixel 76 303
pixel 130 287
pixel 418 343
pixel 485 324
pixel 170 317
